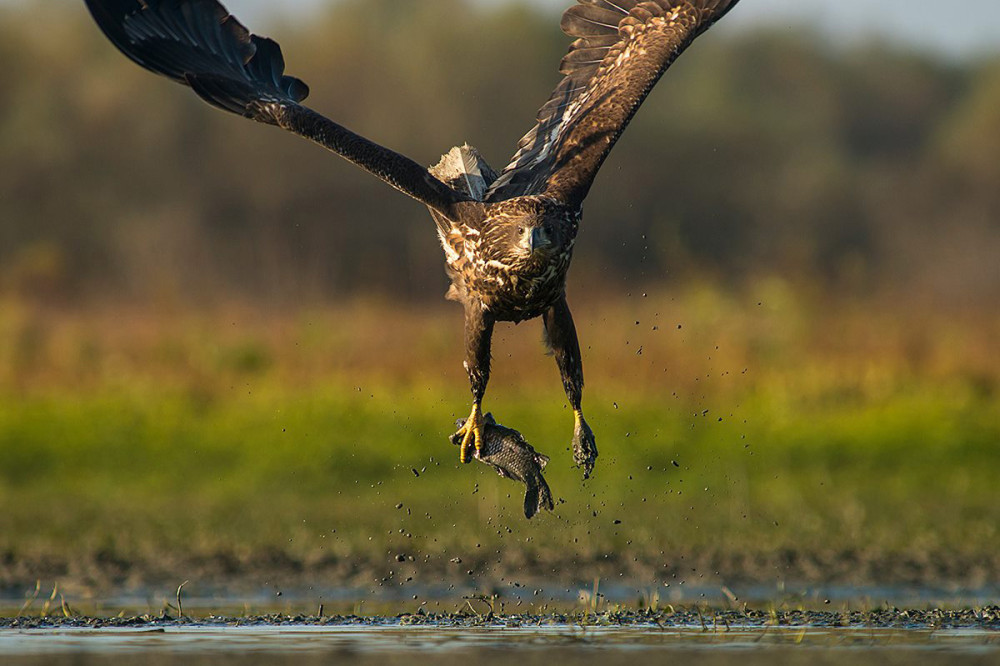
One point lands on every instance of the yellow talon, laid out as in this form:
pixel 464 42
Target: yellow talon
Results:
pixel 472 433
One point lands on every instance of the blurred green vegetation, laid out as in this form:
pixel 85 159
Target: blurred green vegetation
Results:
pixel 743 438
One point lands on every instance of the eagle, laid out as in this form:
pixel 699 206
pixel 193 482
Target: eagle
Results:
pixel 507 236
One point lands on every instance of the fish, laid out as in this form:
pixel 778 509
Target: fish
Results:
pixel 505 450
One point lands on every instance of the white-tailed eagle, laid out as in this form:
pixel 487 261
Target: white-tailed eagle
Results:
pixel 508 237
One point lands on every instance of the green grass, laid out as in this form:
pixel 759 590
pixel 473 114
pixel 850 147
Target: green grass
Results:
pixel 747 443
pixel 321 471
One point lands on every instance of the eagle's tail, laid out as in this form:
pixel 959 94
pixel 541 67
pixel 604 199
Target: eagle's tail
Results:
pixel 463 169
pixel 198 43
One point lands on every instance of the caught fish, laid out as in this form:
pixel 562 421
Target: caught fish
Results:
pixel 505 450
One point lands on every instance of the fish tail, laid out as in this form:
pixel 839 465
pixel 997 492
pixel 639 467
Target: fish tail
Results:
pixel 531 499
pixel 544 496
pixel 537 497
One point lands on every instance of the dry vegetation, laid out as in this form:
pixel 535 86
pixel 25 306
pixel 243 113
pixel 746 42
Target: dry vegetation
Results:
pixel 749 437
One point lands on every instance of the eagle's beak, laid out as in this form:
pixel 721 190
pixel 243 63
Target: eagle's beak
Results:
pixel 537 239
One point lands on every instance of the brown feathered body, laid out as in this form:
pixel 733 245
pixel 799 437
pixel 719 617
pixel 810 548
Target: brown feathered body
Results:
pixel 511 285
pixel 490 255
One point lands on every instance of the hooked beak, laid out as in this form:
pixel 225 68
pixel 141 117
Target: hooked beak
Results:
pixel 537 239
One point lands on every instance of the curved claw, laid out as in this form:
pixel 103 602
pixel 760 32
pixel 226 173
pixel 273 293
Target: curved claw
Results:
pixel 471 434
pixel 584 445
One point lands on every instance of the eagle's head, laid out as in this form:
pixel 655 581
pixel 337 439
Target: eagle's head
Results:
pixel 529 234
pixel 532 237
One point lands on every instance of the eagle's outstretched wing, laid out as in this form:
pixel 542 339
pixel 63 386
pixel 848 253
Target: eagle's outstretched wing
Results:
pixel 622 49
pixel 198 43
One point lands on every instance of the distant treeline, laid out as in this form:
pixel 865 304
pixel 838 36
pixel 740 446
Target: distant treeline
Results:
pixel 863 168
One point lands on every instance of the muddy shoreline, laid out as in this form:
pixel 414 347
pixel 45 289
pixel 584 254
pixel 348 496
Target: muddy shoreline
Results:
pixel 102 572
pixel 708 619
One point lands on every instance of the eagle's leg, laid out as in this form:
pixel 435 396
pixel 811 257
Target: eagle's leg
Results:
pixel 478 336
pixel 560 334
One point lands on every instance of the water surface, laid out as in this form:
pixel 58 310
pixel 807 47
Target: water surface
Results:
pixel 501 642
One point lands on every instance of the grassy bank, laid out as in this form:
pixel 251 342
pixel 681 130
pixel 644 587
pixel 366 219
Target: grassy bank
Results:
pixel 756 440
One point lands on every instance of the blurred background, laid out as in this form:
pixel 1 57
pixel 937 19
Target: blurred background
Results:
pixel 852 156
pixel 218 342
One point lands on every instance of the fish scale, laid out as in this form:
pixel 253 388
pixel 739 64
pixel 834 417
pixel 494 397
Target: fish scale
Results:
pixel 505 450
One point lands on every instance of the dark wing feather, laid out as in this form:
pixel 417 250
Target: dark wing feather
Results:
pixel 621 51
pixel 198 43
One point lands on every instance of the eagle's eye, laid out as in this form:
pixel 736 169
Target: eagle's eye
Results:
pixel 520 231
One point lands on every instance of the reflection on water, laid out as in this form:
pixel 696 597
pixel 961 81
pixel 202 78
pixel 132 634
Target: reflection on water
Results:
pixel 573 644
